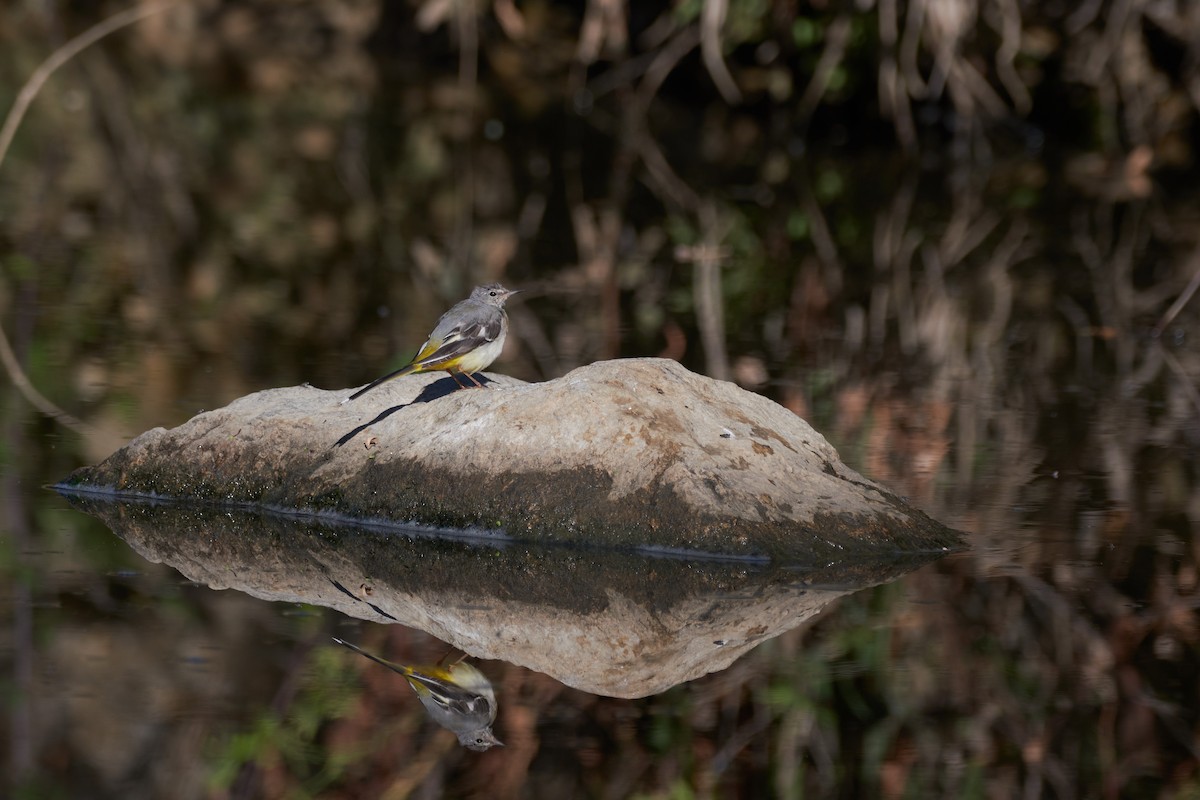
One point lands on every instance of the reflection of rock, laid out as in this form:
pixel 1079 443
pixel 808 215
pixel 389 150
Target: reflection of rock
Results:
pixel 620 624
pixel 637 452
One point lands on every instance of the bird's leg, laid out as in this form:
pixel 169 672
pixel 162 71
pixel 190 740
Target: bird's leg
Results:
pixel 454 374
pixel 446 663
pixel 472 379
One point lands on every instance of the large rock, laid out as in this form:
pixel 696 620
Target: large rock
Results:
pixel 634 453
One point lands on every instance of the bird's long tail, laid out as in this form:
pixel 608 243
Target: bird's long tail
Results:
pixel 377 381
pixel 396 667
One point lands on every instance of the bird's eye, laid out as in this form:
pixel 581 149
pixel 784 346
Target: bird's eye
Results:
pixel 493 294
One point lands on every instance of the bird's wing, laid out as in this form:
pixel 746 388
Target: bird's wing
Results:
pixel 457 342
pixel 449 695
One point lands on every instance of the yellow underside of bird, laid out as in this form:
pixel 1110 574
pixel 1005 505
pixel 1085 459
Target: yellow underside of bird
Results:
pixel 468 363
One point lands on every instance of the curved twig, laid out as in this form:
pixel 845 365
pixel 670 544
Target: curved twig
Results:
pixel 61 56
pixel 13 121
pixel 1183 298
pixel 836 39
pixel 711 20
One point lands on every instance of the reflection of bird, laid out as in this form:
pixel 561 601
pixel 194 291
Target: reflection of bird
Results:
pixel 458 697
pixel 467 339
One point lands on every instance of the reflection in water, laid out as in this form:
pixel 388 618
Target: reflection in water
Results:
pixel 457 696
pixel 612 623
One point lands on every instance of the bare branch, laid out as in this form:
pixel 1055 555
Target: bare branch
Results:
pixel 16 114
pixel 711 21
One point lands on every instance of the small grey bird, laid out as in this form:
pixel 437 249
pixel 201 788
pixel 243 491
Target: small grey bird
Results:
pixel 466 340
pixel 458 697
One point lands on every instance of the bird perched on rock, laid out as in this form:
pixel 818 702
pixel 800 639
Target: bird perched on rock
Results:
pixel 466 340
pixel 458 697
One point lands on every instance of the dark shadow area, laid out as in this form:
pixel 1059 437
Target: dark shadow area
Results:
pixel 369 604
pixel 433 391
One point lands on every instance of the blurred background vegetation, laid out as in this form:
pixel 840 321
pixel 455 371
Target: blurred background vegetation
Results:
pixel 959 236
